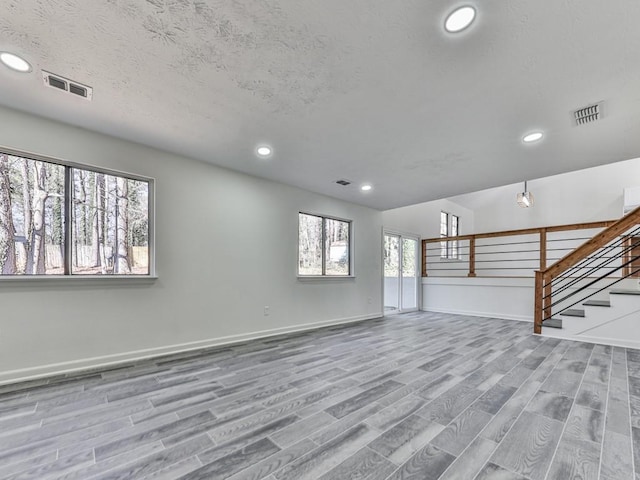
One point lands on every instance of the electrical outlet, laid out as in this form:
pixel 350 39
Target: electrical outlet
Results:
pixel 266 311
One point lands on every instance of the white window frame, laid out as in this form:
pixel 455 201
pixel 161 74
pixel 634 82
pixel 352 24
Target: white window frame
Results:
pixel 68 275
pixel 350 248
pixel 449 249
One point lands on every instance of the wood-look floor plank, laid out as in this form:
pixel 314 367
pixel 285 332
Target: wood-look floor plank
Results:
pixel 461 432
pixel 551 405
pixel 429 463
pixel 471 461
pixel 365 464
pixel 234 462
pixel 275 462
pixel 327 456
pixel 491 471
pixel 360 400
pixel 415 389
pixel 450 404
pixel 400 442
pixel 529 447
pixel 585 424
pixel 579 459
pixel 157 461
pixel 617 457
pixel 592 395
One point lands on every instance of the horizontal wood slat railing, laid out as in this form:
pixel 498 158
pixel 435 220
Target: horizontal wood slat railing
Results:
pixel 541 252
pixel 544 278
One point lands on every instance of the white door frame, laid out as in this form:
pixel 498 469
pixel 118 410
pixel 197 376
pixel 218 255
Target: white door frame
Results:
pixel 418 268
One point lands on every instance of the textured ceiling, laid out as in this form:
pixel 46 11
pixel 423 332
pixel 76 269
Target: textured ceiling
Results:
pixel 371 91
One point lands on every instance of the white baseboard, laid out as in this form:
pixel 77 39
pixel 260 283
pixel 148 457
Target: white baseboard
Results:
pixel 105 361
pixel 471 313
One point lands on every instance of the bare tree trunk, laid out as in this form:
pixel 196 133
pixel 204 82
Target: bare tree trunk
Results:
pixel 27 246
pixel 122 264
pixel 95 224
pixel 39 197
pixel 99 227
pixel 7 241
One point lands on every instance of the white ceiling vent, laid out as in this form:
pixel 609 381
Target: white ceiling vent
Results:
pixel 588 114
pixel 344 183
pixel 70 86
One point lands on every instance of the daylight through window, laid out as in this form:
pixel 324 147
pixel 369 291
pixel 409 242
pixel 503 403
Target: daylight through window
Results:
pixel 324 246
pixel 63 220
pixel 449 227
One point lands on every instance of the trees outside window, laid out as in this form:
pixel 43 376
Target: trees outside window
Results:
pixel 324 246
pixel 63 220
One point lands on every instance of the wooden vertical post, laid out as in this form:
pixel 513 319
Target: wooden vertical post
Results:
pixel 546 288
pixel 472 257
pixel 537 311
pixel 543 249
pixel 424 258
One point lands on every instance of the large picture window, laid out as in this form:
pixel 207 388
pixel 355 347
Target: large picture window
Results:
pixel 324 246
pixel 60 219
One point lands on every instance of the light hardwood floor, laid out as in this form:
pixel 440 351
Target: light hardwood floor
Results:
pixel 414 396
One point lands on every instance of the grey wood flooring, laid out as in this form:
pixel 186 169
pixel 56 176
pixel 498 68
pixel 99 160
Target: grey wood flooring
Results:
pixel 414 396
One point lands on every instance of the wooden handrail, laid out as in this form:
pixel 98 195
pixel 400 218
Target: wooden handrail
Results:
pixel 590 246
pixel 526 231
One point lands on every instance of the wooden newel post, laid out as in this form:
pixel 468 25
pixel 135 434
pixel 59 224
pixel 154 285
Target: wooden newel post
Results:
pixel 472 257
pixel 424 258
pixel 537 311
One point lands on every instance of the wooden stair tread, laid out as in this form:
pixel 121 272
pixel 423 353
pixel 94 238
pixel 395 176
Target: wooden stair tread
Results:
pixel 597 303
pixel 573 312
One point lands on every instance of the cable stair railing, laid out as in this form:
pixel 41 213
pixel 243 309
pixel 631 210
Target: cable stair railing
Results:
pixel 593 268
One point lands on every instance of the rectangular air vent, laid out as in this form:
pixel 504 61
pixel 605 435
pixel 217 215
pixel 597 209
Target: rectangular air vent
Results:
pixel 588 114
pixel 344 183
pixel 69 86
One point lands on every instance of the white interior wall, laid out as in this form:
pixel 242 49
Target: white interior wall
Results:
pixel 583 196
pixel 423 219
pixel 226 246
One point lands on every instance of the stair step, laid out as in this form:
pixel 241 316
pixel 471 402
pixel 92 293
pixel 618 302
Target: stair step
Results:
pixel 622 291
pixel 597 303
pixel 553 323
pixel 573 312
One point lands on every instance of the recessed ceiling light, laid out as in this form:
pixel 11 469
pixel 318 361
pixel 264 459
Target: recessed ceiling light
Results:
pixel 532 137
pixel 366 187
pixel 15 62
pixel 460 19
pixel 264 151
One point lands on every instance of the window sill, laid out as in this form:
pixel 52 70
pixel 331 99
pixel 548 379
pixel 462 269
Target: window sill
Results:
pixel 76 279
pixel 325 277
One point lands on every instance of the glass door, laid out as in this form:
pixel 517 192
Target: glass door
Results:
pixel 401 273
pixel 409 286
pixel 391 273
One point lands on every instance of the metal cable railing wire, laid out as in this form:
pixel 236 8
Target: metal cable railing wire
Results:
pixel 637 270
pixel 588 260
pixel 603 265
pixel 593 282
pixel 463 248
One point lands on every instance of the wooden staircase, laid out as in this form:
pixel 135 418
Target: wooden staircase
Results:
pixel 568 289
pixel 598 311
